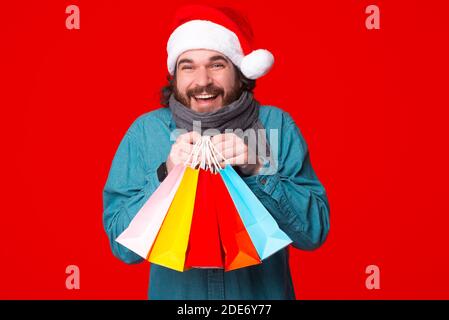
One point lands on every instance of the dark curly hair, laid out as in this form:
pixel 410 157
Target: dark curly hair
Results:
pixel 166 91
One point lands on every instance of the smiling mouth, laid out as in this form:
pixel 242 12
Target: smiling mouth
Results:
pixel 205 97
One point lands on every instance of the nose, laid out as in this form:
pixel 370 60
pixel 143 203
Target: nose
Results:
pixel 203 77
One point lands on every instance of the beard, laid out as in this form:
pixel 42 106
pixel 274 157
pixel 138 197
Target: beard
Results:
pixel 211 89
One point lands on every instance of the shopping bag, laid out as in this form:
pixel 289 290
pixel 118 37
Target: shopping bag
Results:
pixel 170 247
pixel 237 245
pixel 204 250
pixel 143 229
pixel 265 233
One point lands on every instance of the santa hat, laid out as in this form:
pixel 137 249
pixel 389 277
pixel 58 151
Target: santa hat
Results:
pixel 219 29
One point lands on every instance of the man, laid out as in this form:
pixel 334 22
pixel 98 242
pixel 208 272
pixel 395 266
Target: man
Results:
pixel 212 74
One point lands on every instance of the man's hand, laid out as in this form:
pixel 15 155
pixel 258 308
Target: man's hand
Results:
pixel 181 149
pixel 235 150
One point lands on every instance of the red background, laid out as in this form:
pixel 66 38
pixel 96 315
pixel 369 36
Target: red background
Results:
pixel 372 105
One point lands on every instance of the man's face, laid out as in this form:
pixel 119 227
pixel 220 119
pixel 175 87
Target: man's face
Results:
pixel 205 80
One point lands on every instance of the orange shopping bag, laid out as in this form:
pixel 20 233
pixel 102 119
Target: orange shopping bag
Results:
pixel 237 245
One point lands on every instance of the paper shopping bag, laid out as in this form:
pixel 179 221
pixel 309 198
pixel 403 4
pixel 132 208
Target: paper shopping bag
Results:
pixel 237 245
pixel 204 250
pixel 170 247
pixel 265 233
pixel 142 230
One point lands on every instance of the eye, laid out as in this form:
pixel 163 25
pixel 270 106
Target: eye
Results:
pixel 186 67
pixel 217 65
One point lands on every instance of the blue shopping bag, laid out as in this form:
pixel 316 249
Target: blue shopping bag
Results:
pixel 263 230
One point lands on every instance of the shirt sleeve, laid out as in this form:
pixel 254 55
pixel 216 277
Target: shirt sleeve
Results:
pixel 293 194
pixel 127 188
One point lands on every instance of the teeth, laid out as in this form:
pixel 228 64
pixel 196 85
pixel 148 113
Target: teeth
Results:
pixel 204 96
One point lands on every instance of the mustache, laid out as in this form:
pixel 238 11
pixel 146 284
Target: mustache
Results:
pixel 210 89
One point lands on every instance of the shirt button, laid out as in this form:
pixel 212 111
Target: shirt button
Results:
pixel 263 181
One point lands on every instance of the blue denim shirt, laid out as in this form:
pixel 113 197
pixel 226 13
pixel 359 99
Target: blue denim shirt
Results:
pixel 293 195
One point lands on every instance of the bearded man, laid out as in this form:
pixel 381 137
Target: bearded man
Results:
pixel 212 72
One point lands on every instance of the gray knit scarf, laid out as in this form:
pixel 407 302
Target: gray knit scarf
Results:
pixel 242 114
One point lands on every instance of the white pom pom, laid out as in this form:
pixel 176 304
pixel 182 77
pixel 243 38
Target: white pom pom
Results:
pixel 257 63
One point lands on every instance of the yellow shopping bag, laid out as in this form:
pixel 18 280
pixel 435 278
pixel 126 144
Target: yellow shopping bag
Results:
pixel 169 249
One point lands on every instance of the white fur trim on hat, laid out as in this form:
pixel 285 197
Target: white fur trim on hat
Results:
pixel 204 34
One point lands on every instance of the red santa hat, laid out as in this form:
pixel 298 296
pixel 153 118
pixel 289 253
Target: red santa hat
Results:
pixel 220 29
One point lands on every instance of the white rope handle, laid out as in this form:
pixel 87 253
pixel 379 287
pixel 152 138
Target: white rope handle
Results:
pixel 207 154
pixel 204 154
pixel 213 155
pixel 215 152
pixel 194 153
pixel 212 160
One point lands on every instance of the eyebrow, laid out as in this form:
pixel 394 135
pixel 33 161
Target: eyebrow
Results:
pixel 216 58
pixel 211 59
pixel 184 61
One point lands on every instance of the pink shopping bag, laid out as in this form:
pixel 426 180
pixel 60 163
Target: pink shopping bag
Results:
pixel 143 229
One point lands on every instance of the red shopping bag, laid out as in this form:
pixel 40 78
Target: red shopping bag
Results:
pixel 204 250
pixel 237 245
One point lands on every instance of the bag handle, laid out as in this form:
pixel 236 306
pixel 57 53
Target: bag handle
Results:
pixel 205 156
pixel 193 154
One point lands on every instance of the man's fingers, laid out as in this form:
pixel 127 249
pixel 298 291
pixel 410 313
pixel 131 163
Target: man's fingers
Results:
pixel 229 150
pixel 217 139
pixel 224 137
pixel 180 156
pixel 184 146
pixel 239 160
pixel 190 137
pixel 232 152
